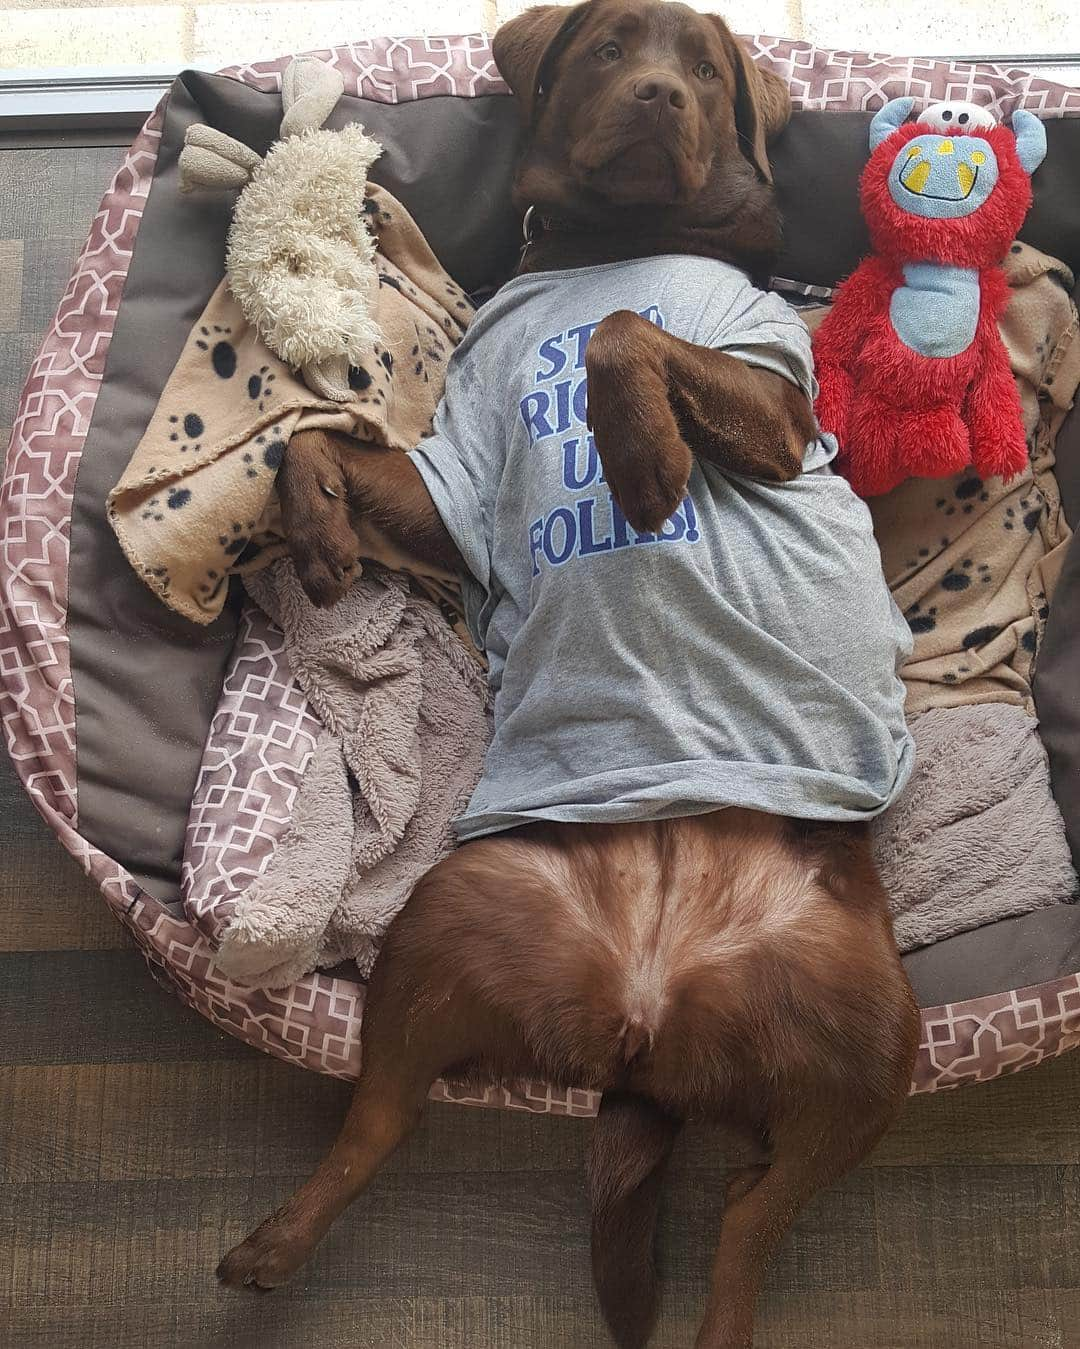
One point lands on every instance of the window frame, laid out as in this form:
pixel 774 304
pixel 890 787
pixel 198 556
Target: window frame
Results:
pixel 81 99
pixel 85 99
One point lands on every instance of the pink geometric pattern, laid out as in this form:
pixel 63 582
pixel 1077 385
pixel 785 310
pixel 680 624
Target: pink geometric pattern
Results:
pixel 257 751
pixel 263 732
pixel 865 81
pixel 984 1038
pixel 397 70
pixel 36 701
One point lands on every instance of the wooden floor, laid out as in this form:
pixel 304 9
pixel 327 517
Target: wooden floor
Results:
pixel 137 1143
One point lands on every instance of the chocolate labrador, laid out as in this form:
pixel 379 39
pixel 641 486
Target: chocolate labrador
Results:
pixel 664 889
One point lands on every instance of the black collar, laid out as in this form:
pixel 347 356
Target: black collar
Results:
pixel 532 226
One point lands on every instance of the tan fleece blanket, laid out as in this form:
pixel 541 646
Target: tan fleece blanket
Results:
pixel 972 564
pixel 197 502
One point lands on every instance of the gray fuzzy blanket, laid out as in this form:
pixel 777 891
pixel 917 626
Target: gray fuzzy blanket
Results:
pixel 976 835
pixel 406 721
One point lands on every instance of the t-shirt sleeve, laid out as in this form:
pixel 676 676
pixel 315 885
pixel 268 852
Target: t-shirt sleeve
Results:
pixel 761 329
pixel 454 462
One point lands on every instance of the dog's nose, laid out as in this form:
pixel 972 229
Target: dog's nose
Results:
pixel 662 89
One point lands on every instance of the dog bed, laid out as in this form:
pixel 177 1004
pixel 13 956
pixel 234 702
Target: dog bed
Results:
pixel 118 714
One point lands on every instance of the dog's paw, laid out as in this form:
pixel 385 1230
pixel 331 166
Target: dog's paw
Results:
pixel 264 1261
pixel 645 459
pixel 326 564
pixel 649 489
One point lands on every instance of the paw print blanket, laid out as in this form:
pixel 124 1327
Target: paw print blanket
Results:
pixel 197 502
pixel 972 563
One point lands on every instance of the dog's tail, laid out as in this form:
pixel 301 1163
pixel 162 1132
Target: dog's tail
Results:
pixel 631 1144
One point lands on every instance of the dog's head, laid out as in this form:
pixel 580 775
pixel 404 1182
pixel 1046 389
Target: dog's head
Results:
pixel 637 103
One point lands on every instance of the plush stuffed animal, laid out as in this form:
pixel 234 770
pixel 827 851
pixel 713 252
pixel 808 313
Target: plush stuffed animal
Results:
pixel 300 257
pixel 914 378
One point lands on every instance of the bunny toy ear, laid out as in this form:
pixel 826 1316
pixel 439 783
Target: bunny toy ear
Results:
pixel 310 90
pixel 329 378
pixel 212 159
pixel 1030 140
pixel 892 116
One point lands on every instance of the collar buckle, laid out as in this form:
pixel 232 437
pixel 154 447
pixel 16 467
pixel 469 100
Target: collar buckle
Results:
pixel 526 232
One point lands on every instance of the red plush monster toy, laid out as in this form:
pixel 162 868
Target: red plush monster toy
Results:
pixel 914 378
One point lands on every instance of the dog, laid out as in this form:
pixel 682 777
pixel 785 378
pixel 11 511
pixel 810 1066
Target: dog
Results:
pixel 704 938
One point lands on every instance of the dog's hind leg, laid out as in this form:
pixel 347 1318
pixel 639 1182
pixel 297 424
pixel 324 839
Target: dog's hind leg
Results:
pixel 762 1203
pixel 416 1025
pixel 818 1132
pixel 821 1017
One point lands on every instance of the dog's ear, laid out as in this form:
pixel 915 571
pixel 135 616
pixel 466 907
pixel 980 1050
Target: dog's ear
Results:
pixel 762 102
pixel 526 48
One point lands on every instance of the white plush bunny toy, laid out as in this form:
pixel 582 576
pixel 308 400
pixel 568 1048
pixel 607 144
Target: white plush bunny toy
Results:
pixel 300 257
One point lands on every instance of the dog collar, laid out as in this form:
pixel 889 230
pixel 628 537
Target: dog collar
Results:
pixel 532 225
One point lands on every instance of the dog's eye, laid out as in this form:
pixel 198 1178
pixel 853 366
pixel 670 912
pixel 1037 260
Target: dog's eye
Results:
pixel 610 51
pixel 705 70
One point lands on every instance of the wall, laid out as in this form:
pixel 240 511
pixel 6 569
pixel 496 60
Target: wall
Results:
pixel 50 33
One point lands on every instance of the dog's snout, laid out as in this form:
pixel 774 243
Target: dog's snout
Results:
pixel 661 89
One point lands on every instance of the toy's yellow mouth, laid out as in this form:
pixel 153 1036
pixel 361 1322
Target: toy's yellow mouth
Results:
pixel 919 175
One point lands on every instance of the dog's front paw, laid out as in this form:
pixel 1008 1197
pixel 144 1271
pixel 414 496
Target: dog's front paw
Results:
pixel 646 461
pixel 648 489
pixel 326 563
pixel 265 1260
pixel 315 515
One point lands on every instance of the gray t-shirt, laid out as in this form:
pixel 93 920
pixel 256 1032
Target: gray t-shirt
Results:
pixel 745 655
